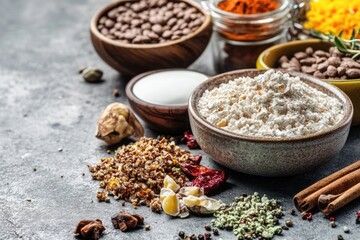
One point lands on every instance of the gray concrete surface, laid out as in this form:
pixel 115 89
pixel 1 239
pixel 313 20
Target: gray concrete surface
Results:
pixel 45 106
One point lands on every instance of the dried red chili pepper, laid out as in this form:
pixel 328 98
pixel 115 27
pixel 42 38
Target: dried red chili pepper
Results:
pixel 195 159
pixel 206 178
pixel 191 141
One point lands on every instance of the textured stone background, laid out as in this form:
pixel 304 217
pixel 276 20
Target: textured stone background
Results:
pixel 45 105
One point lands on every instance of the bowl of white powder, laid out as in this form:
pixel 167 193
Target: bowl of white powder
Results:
pixel 269 123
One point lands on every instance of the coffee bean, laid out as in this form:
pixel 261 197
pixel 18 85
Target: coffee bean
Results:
pixel 319 74
pixel 283 59
pixel 175 37
pixel 168 15
pixel 182 5
pixel 137 40
pixel 109 23
pixel 146 39
pixel 175 27
pixel 180 14
pixel 183 25
pixel 320 59
pixel 157 28
pixel 166 27
pixel 112 37
pixel 112 30
pixel 321 53
pixel 178 32
pixel 160 20
pixel 323 66
pixel 193 16
pixel 161 3
pixel 135 7
pixel 100 26
pixel 126 19
pixel 170 5
pixel 308 70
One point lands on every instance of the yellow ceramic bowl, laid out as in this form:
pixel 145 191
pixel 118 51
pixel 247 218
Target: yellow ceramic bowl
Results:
pixel 268 59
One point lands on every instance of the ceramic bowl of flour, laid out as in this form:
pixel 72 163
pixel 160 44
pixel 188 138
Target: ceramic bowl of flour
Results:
pixel 264 155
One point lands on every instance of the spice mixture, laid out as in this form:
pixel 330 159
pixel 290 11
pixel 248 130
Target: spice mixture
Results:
pixel 273 104
pixel 248 6
pixel 137 171
pixel 150 21
pixel 250 217
pixel 331 64
pixel 333 16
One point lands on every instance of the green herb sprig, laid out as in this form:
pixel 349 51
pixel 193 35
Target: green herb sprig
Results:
pixel 351 46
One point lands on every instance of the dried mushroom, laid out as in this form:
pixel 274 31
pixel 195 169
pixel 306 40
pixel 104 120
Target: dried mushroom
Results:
pixel 89 229
pixel 126 221
pixel 117 122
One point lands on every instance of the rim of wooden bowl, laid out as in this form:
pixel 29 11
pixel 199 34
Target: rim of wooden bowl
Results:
pixel 198 92
pixel 101 12
pixel 295 43
pixel 132 97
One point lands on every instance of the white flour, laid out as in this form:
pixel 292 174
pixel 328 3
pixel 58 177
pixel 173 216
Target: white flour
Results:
pixel 270 105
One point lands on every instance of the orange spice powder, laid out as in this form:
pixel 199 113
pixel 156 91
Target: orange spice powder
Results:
pixel 248 6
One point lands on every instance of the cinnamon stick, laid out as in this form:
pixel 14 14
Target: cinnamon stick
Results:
pixel 329 204
pixel 307 198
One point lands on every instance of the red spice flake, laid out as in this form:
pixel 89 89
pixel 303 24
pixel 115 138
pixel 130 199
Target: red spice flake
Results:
pixel 195 159
pixel 332 219
pixel 358 213
pixel 248 6
pixel 309 216
pixel 191 141
pixel 206 178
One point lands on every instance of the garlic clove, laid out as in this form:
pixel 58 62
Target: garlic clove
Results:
pixel 184 211
pixel 169 202
pixel 191 191
pixel 117 122
pixel 171 184
pixel 203 204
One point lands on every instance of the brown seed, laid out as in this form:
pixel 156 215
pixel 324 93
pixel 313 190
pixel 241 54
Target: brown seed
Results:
pixel 178 32
pixel 300 55
pixel 308 61
pixel 186 31
pixel 167 34
pixel 320 59
pixel 112 31
pixel 341 71
pixel 331 71
pixel 170 5
pixel 104 31
pixel 100 26
pixel 113 14
pixel 174 37
pixel 308 70
pixel 124 27
pixel 160 20
pixel 318 74
pixel 335 61
pixel 135 22
pixel 353 73
pixel 129 35
pixel 183 26
pixel 182 5
pixel 309 51
pixel 321 53
pixel 146 26
pixel 323 66
pixel 171 22
pixel 121 9
pixel 102 20
pixel 283 59
pixel 146 39
pixel 117 26
pixel 109 23
pixel 137 40
pixel 161 3
pixel 153 35
pixel 197 22
pixel 157 28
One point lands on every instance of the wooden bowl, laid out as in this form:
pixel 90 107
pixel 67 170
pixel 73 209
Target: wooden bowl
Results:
pixel 269 156
pixel 132 59
pixel 161 117
pixel 269 58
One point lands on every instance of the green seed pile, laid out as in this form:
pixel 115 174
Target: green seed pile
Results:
pixel 250 217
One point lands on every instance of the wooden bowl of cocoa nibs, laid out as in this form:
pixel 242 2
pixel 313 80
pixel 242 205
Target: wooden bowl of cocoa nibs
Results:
pixel 321 60
pixel 139 36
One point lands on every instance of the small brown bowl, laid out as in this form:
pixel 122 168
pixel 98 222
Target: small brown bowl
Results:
pixel 160 116
pixel 269 156
pixel 132 59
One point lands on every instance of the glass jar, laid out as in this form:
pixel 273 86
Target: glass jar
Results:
pixel 240 38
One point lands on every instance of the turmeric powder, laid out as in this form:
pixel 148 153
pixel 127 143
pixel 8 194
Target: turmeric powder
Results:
pixel 248 6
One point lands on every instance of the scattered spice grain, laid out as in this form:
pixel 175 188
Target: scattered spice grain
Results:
pixel 346 229
pixel 137 171
pixel 340 237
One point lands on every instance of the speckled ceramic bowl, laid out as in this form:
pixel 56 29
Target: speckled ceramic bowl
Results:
pixel 269 156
